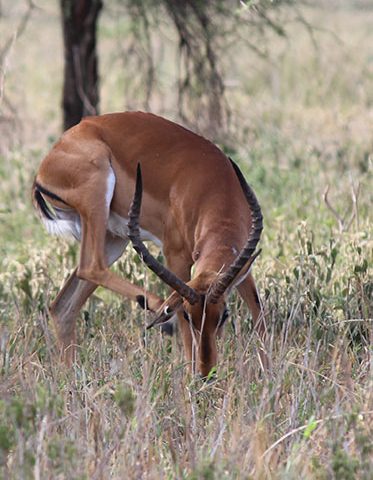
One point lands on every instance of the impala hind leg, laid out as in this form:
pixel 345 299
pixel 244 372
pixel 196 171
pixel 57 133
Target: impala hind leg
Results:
pixel 75 292
pixel 249 293
pixel 93 265
pixel 64 311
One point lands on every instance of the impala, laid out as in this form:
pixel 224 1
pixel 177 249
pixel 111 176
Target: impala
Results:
pixel 188 198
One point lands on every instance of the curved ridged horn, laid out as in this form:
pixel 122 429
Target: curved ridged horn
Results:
pixel 226 279
pixel 134 235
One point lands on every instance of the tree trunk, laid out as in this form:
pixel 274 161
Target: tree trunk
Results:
pixel 80 90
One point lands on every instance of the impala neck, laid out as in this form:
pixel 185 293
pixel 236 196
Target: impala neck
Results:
pixel 214 259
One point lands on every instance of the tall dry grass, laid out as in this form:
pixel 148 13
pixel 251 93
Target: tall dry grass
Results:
pixel 129 408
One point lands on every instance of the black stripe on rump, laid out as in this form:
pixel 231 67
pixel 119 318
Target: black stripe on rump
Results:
pixel 49 194
pixel 46 211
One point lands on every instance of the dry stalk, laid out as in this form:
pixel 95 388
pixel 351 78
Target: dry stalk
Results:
pixel 303 427
pixel 7 48
pixel 344 224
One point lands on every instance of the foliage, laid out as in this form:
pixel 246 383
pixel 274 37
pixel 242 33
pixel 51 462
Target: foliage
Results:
pixel 129 408
pixel 204 29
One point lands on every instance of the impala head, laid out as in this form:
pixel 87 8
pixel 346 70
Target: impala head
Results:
pixel 203 318
pixel 201 301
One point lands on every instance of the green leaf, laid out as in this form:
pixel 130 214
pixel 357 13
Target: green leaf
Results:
pixel 312 424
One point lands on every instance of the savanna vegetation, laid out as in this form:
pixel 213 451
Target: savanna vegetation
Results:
pixel 301 128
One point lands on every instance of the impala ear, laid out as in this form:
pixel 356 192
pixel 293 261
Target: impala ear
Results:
pixel 141 300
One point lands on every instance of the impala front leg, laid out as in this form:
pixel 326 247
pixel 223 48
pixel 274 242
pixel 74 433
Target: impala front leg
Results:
pixel 249 293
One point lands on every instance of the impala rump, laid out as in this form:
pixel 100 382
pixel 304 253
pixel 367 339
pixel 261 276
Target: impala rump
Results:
pixel 65 222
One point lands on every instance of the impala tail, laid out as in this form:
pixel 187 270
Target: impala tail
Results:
pixel 55 220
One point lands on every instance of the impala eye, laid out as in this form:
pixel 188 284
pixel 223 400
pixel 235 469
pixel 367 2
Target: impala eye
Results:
pixel 167 310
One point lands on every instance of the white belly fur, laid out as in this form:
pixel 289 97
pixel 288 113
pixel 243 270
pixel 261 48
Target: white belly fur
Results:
pixel 67 224
pixel 118 226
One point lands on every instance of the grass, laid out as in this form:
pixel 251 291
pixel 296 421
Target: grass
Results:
pixel 129 408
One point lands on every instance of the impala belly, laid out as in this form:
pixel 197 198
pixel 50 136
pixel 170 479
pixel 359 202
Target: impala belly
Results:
pixel 67 224
pixel 118 226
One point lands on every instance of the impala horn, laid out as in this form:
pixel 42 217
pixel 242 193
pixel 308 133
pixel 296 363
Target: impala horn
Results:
pixel 134 235
pixel 247 255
